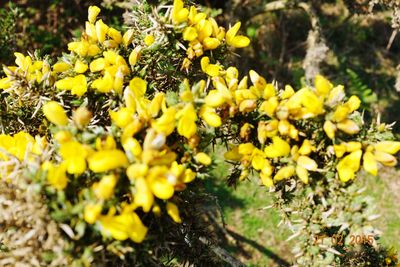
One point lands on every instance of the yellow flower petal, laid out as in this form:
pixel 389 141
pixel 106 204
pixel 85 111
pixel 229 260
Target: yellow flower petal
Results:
pixel 329 129
pixel 55 113
pixel 302 173
pixel 266 180
pixel 189 34
pixel 91 213
pixel 278 148
pixel 385 158
pixel 149 40
pixel 143 197
pixel 115 35
pixel 284 173
pixel 349 165
pixel 179 13
pixel 61 67
pixel 138 86
pixel 322 85
pixel 122 117
pixel 97 65
pixel 161 188
pixel 105 188
pixel 391 147
pixel 80 67
pixel 105 160
pixel 236 41
pixel 307 163
pixel 348 126
pixel 210 43
pixel 369 163
pixel 203 158
pixel 173 212
pixel 93 13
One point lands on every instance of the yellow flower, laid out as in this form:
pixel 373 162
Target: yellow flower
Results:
pixel 269 106
pixel 127 37
pixel 157 104
pixel 81 116
pixel 189 34
pixel 335 96
pixel 166 123
pixel 353 103
pixel 369 163
pixel 235 40
pixel 173 212
pixel 348 126
pixel 259 161
pixel 74 154
pixel 159 184
pixel 385 158
pixel 306 148
pixel 187 121
pixel 115 35
pixel 322 85
pixel 105 160
pixel 210 43
pixel 5 83
pixel 61 67
pixel 391 147
pixel 134 56
pixel 278 148
pixel 97 65
pixel 210 69
pixel 179 13
pixel 93 12
pixel 123 226
pixel 144 197
pixel 122 117
pixel 203 158
pixel 209 115
pixel 284 173
pixel 56 175
pixel 138 86
pixel 131 145
pixel 149 40
pixel 80 66
pixel 137 170
pixel 92 212
pixel 349 165
pixel 189 176
pixel 233 154
pixel 55 113
pixel 329 129
pixel 266 180
pixel 104 84
pixel 105 188
pixel 101 30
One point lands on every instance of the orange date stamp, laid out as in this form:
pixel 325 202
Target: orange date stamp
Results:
pixel 339 239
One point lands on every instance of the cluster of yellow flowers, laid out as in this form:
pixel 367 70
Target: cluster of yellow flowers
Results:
pixel 284 149
pixel 203 33
pixel 25 74
pixel 155 146
pixel 147 161
pixel 21 146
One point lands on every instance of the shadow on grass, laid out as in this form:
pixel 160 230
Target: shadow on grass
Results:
pixel 242 239
pixel 226 200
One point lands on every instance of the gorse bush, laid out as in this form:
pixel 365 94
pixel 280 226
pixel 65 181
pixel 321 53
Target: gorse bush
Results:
pixel 116 136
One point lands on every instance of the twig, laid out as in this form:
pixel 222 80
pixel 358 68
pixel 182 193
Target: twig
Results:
pixel 391 39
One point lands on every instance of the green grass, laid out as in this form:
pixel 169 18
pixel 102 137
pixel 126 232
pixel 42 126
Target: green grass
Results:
pixel 261 241
pixel 385 189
